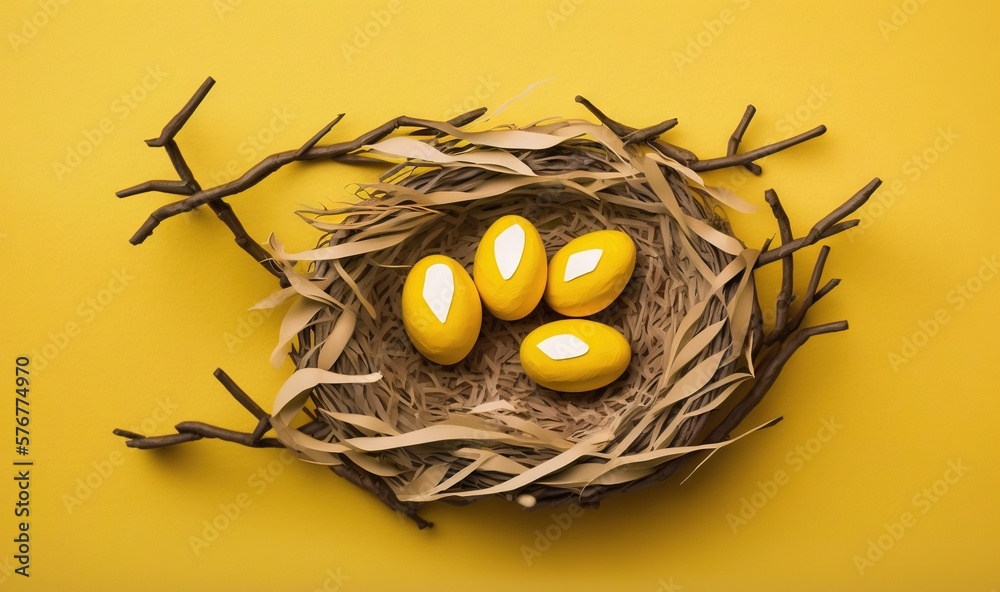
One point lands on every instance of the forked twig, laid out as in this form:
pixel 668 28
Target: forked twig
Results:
pixel 832 224
pixel 766 377
pixel 737 137
pixel 189 431
pixel 308 151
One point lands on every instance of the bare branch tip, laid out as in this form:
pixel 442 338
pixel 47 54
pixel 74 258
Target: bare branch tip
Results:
pixel 127 434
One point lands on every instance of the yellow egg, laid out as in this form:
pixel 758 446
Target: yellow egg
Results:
pixel 574 355
pixel 509 268
pixel 441 309
pixel 587 274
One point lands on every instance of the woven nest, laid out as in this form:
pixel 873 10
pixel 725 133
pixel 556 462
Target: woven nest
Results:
pixel 514 438
pixel 412 431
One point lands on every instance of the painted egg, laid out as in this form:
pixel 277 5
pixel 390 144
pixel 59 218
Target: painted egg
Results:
pixel 510 268
pixel 587 274
pixel 441 309
pixel 574 355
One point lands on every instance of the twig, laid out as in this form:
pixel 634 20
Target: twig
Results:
pixel 785 296
pixel 625 131
pixel 150 442
pixel 272 163
pixel 177 122
pixel 649 133
pixel 188 185
pixel 766 377
pixel 826 227
pixel 737 137
pixel 189 431
pixel 781 332
pixel 712 164
pixel 239 394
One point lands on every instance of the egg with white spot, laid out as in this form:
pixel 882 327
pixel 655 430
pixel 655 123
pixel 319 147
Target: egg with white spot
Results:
pixel 510 268
pixel 589 272
pixel 441 309
pixel 574 355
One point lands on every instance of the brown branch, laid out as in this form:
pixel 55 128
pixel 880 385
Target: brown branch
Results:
pixel 225 213
pixel 649 133
pixel 457 121
pixel 625 131
pixel 785 295
pixel 177 122
pixel 263 425
pixel 826 227
pixel 766 377
pixel 240 395
pixel 272 163
pixel 737 137
pixel 712 164
pixel 189 431
pixel 209 431
pixel 621 130
pixel 150 442
pixel 812 294
pixel 316 138
pixel 188 185
pixel 174 187
pixel 830 285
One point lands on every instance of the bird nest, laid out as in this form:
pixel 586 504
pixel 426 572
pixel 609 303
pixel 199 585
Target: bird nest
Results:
pixel 363 400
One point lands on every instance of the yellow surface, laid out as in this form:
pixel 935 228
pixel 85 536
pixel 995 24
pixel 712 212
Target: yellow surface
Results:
pixel 907 89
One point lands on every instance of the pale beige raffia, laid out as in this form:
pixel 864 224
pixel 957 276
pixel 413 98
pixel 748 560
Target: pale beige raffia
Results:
pixel 481 427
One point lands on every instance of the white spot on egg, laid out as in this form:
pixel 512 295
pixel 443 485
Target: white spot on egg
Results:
pixel 508 248
pixel 582 263
pixel 563 347
pixel 439 290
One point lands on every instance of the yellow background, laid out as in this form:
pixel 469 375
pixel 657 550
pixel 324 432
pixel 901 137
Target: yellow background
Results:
pixel 923 88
